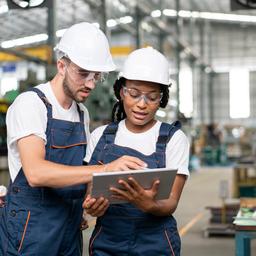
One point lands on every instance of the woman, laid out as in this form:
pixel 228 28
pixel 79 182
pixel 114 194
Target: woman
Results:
pixel 143 226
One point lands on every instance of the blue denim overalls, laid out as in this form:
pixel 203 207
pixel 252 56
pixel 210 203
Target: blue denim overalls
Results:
pixel 40 220
pixel 125 230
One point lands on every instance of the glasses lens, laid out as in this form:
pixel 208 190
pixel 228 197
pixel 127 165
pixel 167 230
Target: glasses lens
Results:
pixel 150 98
pixel 154 97
pixel 83 75
pixel 136 94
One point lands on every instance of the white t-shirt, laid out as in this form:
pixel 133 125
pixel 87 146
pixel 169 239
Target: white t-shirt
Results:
pixel 177 150
pixel 28 115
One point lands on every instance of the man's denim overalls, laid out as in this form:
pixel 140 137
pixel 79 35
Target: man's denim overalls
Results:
pixel 125 230
pixel 45 221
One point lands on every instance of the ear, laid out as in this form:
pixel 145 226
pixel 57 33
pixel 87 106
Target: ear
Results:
pixel 61 66
pixel 122 94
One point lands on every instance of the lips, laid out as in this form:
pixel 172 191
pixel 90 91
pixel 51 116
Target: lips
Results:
pixel 139 115
pixel 86 90
pixel 85 93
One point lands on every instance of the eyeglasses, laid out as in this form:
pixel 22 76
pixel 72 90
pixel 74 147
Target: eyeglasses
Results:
pixel 85 76
pixel 149 97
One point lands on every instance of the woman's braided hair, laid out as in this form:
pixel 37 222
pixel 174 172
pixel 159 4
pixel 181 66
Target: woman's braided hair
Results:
pixel 118 112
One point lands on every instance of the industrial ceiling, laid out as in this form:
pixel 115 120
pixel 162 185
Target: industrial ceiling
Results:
pixel 21 23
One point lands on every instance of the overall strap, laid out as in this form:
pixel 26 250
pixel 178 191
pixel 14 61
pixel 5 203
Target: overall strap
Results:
pixel 81 113
pixel 108 137
pixel 44 99
pixel 109 133
pixel 165 134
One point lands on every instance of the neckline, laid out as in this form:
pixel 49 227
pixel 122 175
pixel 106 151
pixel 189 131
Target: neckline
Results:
pixel 123 125
pixel 56 102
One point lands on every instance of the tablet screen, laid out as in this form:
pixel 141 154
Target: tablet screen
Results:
pixel 103 181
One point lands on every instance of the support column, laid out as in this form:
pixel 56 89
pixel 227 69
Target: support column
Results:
pixel 177 54
pixel 202 74
pixel 137 26
pixel 51 28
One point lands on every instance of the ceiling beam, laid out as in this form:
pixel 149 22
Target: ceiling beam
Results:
pixel 23 55
pixel 172 37
pixel 97 6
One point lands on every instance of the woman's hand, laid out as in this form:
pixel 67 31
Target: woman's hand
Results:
pixel 95 207
pixel 134 193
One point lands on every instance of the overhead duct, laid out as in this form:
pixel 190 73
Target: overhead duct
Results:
pixel 242 4
pixel 27 4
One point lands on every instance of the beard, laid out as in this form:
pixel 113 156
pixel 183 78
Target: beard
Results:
pixel 71 93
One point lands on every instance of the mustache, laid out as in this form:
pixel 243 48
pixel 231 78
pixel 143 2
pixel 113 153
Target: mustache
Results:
pixel 85 89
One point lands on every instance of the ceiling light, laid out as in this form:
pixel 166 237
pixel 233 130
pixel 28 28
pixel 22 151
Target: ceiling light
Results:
pixel 211 16
pixel 24 40
pixel 227 17
pixel 170 12
pixel 126 19
pixel 3 9
pixel 111 23
pixel 27 3
pixel 185 14
pixel 156 13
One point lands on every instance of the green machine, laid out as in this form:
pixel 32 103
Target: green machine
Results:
pixel 101 101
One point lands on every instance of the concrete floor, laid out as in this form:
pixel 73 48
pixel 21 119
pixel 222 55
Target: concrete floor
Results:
pixel 202 189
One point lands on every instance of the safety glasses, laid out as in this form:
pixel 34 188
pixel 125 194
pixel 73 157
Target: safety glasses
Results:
pixel 81 75
pixel 150 98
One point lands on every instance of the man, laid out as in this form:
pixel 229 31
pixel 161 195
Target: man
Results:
pixel 47 129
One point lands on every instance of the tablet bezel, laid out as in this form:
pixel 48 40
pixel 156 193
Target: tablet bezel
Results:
pixel 101 182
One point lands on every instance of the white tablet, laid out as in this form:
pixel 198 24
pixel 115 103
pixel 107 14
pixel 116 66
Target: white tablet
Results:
pixel 101 182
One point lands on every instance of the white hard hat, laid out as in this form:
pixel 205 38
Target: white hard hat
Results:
pixel 146 64
pixel 87 46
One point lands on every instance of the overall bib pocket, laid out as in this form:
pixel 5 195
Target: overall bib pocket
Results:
pixel 62 142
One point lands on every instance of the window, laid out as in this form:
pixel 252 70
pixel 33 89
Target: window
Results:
pixel 186 91
pixel 8 84
pixel 239 92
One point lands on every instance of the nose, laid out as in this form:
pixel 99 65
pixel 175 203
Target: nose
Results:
pixel 90 84
pixel 142 102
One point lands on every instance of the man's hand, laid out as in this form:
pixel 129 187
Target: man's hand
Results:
pixel 125 163
pixel 1 202
pixel 134 193
pixel 95 207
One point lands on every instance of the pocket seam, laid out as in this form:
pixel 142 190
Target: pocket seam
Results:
pixel 169 242
pixel 68 146
pixel 93 239
pixel 24 231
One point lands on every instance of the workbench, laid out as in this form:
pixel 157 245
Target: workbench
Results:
pixel 244 175
pixel 245 226
pixel 243 237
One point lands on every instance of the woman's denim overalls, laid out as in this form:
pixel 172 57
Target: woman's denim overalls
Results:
pixel 40 220
pixel 125 230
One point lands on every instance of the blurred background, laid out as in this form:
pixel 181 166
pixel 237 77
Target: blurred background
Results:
pixel 210 46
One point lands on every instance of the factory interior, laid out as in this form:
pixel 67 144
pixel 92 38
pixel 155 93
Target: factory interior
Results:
pixel 211 51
